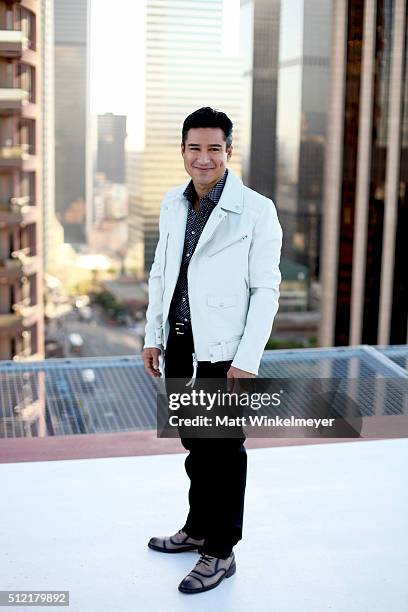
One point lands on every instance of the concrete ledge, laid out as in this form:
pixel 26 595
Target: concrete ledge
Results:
pixel 123 444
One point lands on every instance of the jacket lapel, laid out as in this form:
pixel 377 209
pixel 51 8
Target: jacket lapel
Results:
pixel 177 228
pixel 216 218
pixel 231 200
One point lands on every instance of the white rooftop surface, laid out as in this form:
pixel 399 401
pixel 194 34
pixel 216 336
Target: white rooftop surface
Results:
pixel 325 529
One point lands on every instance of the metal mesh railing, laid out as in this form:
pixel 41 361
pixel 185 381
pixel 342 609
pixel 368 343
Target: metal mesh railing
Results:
pixel 113 394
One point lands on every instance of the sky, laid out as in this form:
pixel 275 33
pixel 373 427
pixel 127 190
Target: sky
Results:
pixel 117 62
pixel 118 58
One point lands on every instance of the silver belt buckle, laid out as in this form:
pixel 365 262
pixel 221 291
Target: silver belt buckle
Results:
pixel 180 329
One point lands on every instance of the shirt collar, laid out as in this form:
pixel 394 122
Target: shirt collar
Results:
pixel 214 195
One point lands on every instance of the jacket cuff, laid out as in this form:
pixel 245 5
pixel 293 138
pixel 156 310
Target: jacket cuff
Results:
pixel 248 366
pixel 147 345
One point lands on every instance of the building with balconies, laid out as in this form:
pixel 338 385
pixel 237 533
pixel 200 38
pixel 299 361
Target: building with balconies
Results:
pixel 21 304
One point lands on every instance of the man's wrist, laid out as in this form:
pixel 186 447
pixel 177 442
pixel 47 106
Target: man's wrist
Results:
pixel 250 369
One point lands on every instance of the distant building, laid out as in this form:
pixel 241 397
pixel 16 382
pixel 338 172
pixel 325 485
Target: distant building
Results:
pixel 72 119
pixel 365 217
pixel 48 131
pixel 260 50
pixel 190 63
pixel 21 269
pixel 134 261
pixel 286 72
pixel 111 147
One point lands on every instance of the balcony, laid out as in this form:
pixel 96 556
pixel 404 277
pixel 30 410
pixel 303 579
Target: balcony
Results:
pixel 331 516
pixel 18 211
pixel 17 157
pixel 13 43
pixel 20 264
pixel 10 324
pixel 32 5
pixel 24 316
pixel 13 100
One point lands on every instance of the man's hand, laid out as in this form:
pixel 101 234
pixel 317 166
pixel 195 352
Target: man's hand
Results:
pixel 233 376
pixel 151 361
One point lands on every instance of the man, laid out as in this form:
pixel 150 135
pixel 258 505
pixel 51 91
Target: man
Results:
pixel 213 295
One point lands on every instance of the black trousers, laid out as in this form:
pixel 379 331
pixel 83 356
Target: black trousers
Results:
pixel 216 467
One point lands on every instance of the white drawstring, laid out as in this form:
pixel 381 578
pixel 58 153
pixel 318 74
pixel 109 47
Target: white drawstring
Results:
pixel 193 378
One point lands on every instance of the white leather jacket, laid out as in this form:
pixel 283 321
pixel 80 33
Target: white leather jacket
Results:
pixel 233 275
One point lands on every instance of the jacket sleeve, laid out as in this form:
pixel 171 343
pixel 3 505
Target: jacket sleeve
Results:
pixel 264 281
pixel 154 313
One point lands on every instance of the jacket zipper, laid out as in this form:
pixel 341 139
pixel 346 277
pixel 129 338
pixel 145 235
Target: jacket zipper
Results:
pixel 192 380
pixel 164 287
pixel 228 245
pixel 165 263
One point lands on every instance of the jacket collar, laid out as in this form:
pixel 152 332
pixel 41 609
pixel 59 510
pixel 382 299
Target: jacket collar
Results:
pixel 232 196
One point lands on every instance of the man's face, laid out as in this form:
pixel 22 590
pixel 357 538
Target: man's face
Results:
pixel 205 155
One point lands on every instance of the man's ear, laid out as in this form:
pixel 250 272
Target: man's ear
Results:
pixel 182 147
pixel 229 152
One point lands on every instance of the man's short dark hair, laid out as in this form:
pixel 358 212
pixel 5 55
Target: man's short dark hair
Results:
pixel 207 117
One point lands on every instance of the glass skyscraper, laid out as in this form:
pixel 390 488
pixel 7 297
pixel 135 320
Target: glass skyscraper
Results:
pixel 286 70
pixel 72 118
pixel 190 62
pixel 365 220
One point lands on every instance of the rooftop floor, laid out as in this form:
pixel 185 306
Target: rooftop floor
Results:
pixel 325 529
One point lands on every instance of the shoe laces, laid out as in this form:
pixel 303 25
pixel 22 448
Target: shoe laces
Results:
pixel 206 559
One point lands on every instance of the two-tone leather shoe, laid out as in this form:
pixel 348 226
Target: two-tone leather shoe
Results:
pixel 208 573
pixel 179 542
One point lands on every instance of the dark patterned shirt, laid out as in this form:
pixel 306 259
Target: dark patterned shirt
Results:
pixel 180 307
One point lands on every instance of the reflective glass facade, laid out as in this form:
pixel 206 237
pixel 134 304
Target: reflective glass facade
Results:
pixel 399 308
pixel 303 78
pixel 376 165
pixel 289 79
pixel 72 116
pixel 351 125
pixel 189 64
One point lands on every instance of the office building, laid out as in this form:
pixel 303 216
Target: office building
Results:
pixel 21 276
pixel 134 261
pixel 365 218
pixel 286 73
pixel 190 62
pixel 111 147
pixel 260 54
pixel 73 171
pixel 48 133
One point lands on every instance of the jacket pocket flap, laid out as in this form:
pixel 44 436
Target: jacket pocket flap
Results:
pixel 221 301
pixel 228 244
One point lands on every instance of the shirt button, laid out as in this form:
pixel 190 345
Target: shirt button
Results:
pixel 193 232
pixel 188 254
pixel 186 319
pixel 184 299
